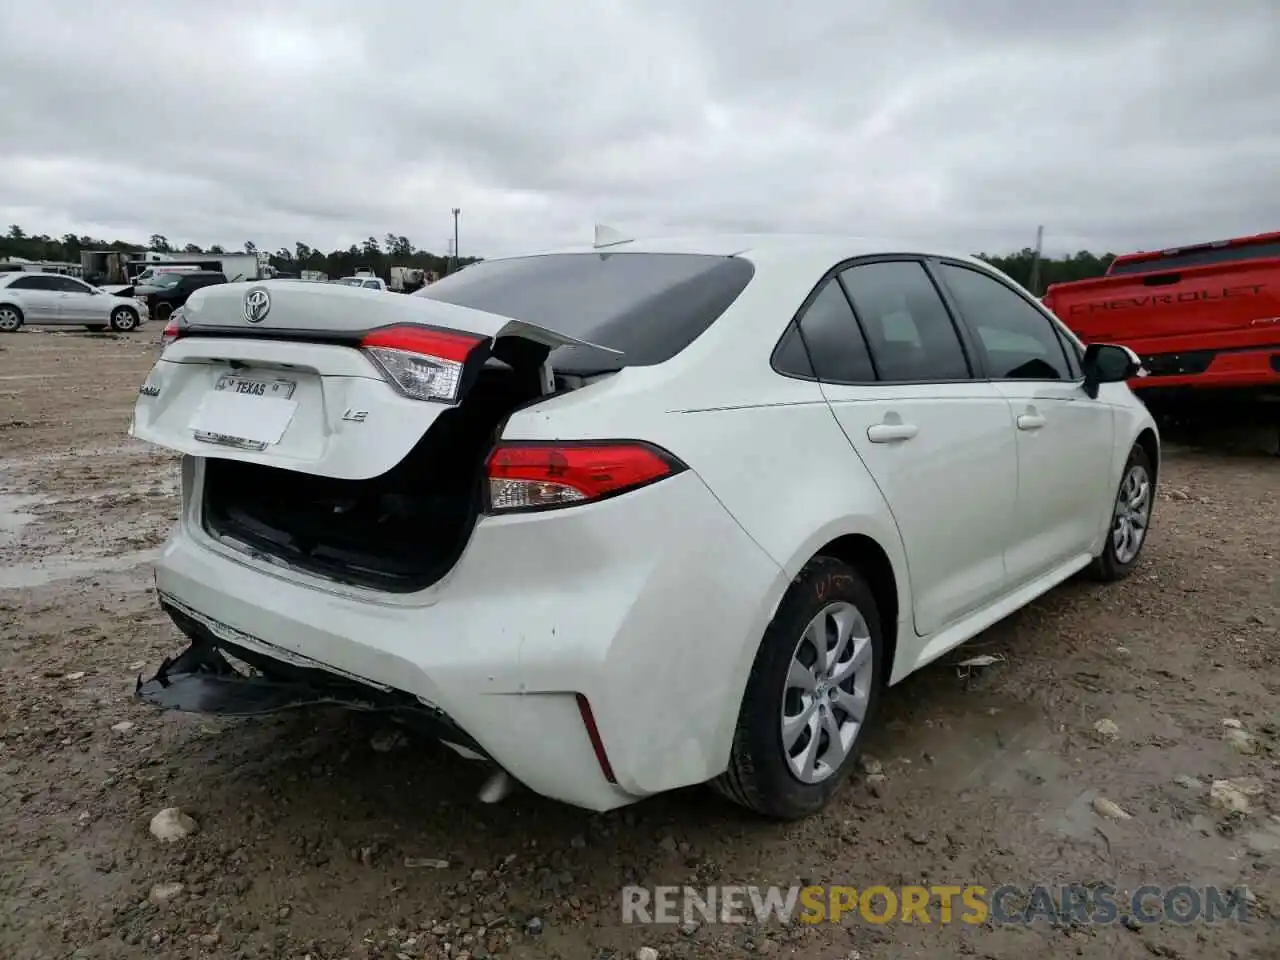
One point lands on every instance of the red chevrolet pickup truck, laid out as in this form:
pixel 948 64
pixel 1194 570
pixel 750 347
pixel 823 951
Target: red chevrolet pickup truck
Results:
pixel 1205 319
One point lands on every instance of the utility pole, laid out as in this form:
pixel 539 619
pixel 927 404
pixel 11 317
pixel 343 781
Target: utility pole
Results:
pixel 1035 263
pixel 456 211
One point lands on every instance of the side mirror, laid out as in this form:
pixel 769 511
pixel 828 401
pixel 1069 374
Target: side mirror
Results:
pixel 1109 363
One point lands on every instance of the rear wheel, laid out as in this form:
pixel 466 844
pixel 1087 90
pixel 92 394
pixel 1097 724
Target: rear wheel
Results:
pixel 10 319
pixel 123 320
pixel 162 312
pixel 812 691
pixel 1130 519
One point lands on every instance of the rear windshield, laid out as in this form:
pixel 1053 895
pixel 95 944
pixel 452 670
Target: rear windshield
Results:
pixel 1198 258
pixel 649 306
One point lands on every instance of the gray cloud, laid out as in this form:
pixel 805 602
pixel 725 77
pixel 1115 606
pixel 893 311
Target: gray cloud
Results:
pixel 1118 125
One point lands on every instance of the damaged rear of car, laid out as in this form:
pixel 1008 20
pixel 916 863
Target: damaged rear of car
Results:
pixel 446 507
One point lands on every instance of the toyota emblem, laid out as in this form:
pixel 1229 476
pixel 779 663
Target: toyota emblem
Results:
pixel 257 304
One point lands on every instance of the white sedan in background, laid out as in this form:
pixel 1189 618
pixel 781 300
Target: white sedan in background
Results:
pixel 51 299
pixel 364 281
pixel 626 519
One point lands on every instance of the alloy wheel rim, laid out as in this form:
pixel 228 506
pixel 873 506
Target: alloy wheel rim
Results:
pixel 825 695
pixel 1132 514
pixel 124 320
pixel 8 320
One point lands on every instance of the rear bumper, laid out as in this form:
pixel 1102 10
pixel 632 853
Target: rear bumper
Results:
pixel 650 605
pixel 201 680
pixel 1253 368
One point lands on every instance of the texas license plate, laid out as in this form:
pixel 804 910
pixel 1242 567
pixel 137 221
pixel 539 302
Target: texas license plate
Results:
pixel 255 388
pixel 245 412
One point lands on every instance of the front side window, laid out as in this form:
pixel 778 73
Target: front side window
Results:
pixel 1018 340
pixel 68 285
pixel 909 331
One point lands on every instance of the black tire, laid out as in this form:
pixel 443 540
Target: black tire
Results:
pixel 11 319
pixel 759 777
pixel 1108 566
pixel 124 319
pixel 162 312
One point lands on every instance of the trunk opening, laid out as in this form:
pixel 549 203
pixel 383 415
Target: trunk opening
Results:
pixel 398 532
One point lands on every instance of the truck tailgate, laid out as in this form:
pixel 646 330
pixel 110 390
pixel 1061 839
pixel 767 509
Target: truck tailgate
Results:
pixel 1224 299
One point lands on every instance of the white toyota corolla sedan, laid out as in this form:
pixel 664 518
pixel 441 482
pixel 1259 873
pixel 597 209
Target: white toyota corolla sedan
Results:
pixel 623 518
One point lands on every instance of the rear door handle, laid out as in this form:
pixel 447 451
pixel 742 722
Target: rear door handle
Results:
pixel 1030 421
pixel 889 432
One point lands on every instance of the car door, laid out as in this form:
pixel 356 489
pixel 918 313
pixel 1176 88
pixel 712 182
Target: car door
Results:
pixel 38 297
pixel 936 438
pixel 1064 437
pixel 77 303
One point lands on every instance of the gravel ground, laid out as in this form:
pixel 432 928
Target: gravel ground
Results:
pixel 315 831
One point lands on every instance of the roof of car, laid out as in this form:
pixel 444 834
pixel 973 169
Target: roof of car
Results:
pixel 818 246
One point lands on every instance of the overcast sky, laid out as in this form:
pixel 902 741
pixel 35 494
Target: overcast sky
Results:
pixel 1119 125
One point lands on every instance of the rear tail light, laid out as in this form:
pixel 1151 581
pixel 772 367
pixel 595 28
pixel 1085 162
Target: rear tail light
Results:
pixel 526 475
pixel 175 328
pixel 424 363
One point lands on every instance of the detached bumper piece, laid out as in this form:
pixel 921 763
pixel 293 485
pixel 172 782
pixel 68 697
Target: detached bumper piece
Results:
pixel 202 680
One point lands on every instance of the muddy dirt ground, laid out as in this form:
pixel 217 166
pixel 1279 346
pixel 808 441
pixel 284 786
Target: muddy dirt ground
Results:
pixel 309 823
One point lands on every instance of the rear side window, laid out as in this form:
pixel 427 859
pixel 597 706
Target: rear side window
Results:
pixel 34 283
pixel 649 306
pixel 835 348
pixel 1018 340
pixel 908 329
pixel 1198 258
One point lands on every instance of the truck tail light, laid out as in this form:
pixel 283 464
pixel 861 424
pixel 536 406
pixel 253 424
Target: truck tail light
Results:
pixel 424 363
pixel 537 475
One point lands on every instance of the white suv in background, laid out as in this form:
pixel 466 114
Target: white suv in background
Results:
pixel 619 520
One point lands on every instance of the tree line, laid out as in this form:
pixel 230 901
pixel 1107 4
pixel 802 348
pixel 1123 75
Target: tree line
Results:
pixel 373 254
pixel 380 255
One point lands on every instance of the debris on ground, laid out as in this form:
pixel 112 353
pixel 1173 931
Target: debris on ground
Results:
pixel 1233 796
pixel 1107 729
pixel 164 892
pixel 1109 809
pixel 171 825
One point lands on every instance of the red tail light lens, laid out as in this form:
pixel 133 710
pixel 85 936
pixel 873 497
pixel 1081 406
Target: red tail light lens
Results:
pixel 423 363
pixel 540 476
pixel 173 329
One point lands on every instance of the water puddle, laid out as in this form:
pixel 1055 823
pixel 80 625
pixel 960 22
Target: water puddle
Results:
pixel 14 515
pixel 23 576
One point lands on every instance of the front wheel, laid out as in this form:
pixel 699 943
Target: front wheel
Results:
pixel 162 312
pixel 123 320
pixel 1130 519
pixel 812 691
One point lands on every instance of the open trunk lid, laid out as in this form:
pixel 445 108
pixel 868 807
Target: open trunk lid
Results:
pixel 274 373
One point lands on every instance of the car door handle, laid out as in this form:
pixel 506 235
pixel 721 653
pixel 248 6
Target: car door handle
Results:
pixel 889 432
pixel 1030 421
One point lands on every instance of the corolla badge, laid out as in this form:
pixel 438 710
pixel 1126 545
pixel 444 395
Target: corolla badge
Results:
pixel 257 304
